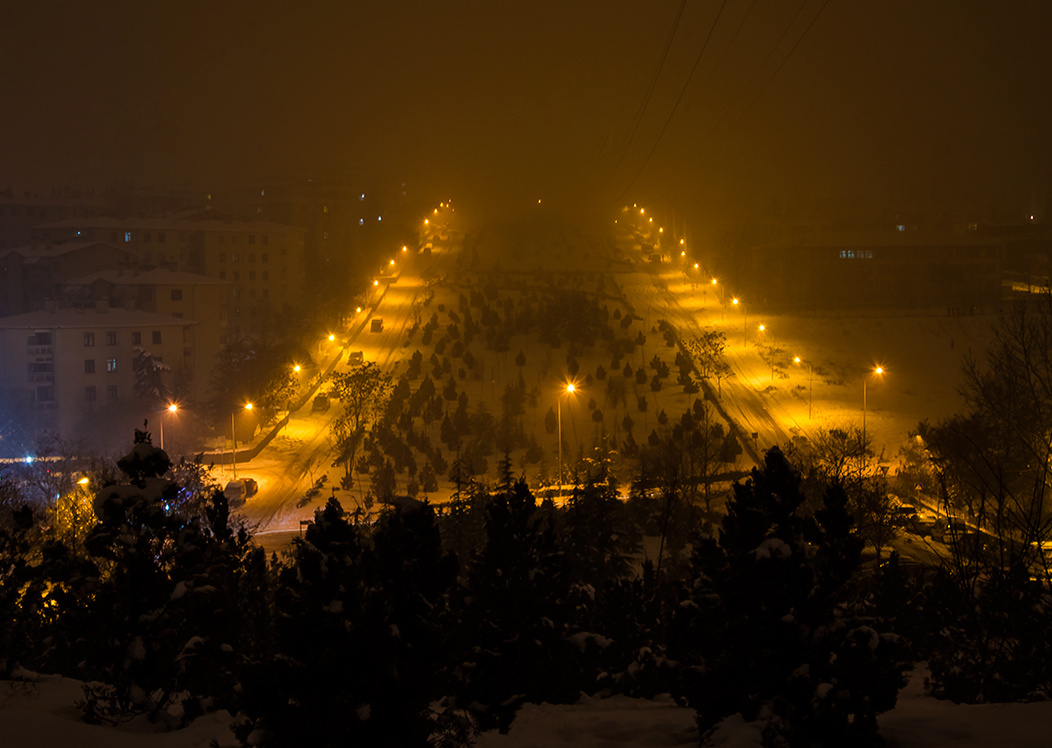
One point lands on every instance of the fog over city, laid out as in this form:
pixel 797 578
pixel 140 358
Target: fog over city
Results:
pixel 501 374
pixel 751 106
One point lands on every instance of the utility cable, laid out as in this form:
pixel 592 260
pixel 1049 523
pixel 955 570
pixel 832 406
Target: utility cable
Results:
pixel 675 106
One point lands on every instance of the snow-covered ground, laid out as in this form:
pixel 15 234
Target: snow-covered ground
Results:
pixel 41 714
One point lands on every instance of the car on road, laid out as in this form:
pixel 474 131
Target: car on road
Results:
pixel 321 402
pixel 355 357
pixel 237 491
pixel 377 325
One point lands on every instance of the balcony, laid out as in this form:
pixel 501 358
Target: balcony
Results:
pixel 40 350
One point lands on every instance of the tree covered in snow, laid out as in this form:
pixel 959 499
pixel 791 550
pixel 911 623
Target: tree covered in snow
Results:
pixel 767 627
pixel 358 647
pixel 514 623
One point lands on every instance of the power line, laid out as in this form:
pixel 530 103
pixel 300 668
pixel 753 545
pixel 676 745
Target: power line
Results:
pixel 776 71
pixel 763 88
pixel 675 106
pixel 653 84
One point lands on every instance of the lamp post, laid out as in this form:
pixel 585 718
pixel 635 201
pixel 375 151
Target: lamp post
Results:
pixel 172 408
pixel 233 437
pixel 745 321
pixel 810 390
pixel 569 390
pixel 877 371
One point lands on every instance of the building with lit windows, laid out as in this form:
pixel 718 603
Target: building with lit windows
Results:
pixel 61 371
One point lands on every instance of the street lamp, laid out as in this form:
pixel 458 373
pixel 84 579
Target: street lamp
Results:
pixel 233 437
pixel 568 390
pixel 876 372
pixel 172 408
pixel 745 320
pixel 810 390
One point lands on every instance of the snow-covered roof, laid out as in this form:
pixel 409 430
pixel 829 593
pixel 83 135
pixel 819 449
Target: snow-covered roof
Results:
pixel 169 224
pixel 155 276
pixel 89 319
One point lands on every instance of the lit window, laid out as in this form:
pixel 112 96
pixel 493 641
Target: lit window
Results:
pixel 111 364
pixel 127 236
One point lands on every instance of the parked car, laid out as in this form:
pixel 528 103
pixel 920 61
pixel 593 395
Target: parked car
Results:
pixel 377 325
pixel 321 402
pixel 355 357
pixel 237 491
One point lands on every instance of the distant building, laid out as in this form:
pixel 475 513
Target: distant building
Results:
pixel 199 299
pixel 60 370
pixel 31 275
pixel 936 271
pixel 264 262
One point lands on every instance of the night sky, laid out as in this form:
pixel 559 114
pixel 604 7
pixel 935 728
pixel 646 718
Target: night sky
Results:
pixel 907 104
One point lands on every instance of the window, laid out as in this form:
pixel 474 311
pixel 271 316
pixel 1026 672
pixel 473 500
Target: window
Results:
pixel 251 238
pixel 89 366
pixel 127 236
pixel 251 275
pixel 89 394
pixel 222 239
pixel 266 275
pixel 39 338
pixel 136 338
pixel 113 237
pixel 235 257
pixel 178 315
pixel 156 337
pixel 89 340
pixel 264 258
pixel 111 364
pixel 251 256
pixel 233 240
pixel 222 256
pixel 111 392
pixel 111 337
pixel 266 293
pixel 263 240
pixel 177 294
pixel 45 394
pixel 237 275
pixel 252 293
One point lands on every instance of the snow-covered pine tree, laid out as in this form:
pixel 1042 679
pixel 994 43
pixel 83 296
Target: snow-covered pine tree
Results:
pixel 767 626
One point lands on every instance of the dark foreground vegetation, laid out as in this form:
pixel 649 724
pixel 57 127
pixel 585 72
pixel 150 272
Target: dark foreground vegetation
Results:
pixel 414 627
pixel 421 629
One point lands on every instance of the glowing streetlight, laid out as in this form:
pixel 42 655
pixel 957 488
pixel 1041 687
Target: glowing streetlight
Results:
pixel 568 390
pixel 376 283
pixel 233 438
pixel 810 390
pixel 172 408
pixel 405 248
pixel 296 369
pixel 391 262
pixel 332 338
pixel 877 372
pixel 745 320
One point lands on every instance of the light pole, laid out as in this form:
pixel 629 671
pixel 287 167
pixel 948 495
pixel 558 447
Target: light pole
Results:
pixel 810 389
pixel 877 371
pixel 569 390
pixel 233 437
pixel 172 407
pixel 745 321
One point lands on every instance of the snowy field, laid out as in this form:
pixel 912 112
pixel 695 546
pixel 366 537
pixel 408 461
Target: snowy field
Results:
pixel 41 714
